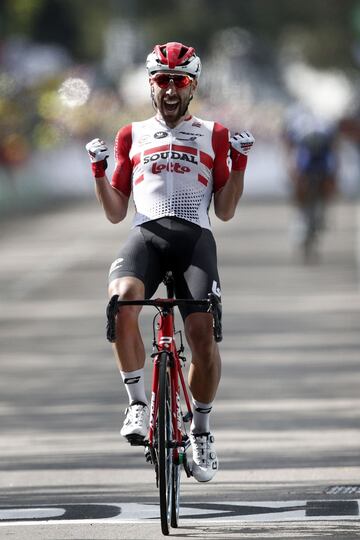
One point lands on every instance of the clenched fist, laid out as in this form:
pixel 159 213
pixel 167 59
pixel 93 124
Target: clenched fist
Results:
pixel 240 146
pixel 98 153
pixel 242 142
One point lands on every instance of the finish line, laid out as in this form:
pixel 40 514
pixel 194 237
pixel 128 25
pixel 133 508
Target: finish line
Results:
pixel 214 512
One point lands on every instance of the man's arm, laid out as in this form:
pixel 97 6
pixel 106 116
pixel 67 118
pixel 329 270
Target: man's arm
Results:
pixel 227 198
pixel 113 201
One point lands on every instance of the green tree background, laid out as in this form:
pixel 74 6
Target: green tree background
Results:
pixel 245 46
pixel 325 30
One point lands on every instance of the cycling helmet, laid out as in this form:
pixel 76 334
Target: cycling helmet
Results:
pixel 174 57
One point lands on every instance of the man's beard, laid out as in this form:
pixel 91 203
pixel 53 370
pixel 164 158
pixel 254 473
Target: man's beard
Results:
pixel 186 106
pixel 182 109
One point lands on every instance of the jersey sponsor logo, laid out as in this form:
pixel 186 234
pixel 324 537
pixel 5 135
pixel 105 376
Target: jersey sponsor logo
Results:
pixel 170 167
pixel 160 135
pixel 193 138
pixel 192 134
pixel 188 136
pixel 174 155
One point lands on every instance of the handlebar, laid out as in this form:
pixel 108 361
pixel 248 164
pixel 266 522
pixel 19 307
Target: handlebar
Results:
pixel 212 302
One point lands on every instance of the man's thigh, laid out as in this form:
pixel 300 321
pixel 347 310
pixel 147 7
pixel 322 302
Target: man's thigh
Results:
pixel 200 277
pixel 137 259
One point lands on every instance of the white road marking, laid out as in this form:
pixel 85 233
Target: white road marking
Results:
pixel 214 512
pixel 30 513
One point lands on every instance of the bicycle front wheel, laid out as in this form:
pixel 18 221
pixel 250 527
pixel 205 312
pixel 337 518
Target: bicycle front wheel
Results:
pixel 164 446
pixel 175 503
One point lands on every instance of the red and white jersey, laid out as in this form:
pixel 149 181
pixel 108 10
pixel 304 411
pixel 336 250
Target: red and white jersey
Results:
pixel 171 171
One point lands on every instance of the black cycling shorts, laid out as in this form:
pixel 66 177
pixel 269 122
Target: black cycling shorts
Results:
pixel 170 243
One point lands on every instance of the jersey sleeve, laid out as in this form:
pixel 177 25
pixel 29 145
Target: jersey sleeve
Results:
pixel 121 178
pixel 221 146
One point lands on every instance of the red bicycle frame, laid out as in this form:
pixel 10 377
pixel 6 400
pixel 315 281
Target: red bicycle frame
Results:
pixel 166 344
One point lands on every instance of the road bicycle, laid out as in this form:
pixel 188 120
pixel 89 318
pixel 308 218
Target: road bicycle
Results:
pixel 170 408
pixel 313 214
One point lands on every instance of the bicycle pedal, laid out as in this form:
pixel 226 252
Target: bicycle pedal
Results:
pixel 147 455
pixel 136 440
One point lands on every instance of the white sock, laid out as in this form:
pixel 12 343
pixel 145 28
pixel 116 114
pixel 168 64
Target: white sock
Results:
pixel 134 384
pixel 201 417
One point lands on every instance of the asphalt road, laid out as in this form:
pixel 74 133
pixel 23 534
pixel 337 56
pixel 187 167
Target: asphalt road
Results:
pixel 287 414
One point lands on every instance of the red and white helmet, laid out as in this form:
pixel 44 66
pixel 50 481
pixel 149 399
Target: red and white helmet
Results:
pixel 174 57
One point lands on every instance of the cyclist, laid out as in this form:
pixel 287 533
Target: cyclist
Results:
pixel 311 147
pixel 172 163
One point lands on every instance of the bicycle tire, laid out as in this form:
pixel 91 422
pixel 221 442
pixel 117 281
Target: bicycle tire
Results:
pixel 165 451
pixel 175 502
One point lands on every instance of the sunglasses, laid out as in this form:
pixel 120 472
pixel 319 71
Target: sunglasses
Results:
pixel 180 81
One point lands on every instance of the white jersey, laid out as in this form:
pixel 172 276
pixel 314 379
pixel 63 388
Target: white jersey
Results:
pixel 171 171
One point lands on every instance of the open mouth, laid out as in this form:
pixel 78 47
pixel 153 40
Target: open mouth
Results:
pixel 171 106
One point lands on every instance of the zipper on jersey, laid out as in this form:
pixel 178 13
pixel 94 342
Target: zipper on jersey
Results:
pixel 170 174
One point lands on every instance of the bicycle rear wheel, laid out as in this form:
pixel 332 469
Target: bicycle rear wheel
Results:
pixel 164 448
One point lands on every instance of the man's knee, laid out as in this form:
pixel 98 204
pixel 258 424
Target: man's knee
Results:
pixel 127 288
pixel 199 334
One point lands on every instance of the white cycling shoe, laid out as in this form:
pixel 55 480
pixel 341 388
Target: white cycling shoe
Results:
pixel 205 461
pixel 136 423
